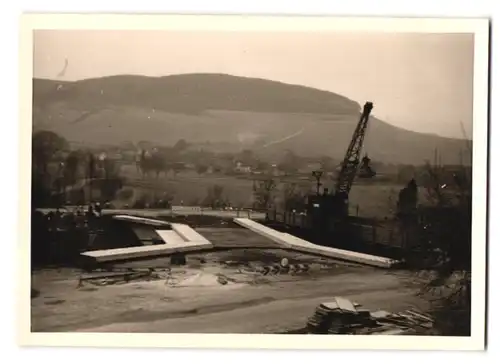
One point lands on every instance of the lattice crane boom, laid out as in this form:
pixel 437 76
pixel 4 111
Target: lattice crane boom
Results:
pixel 351 161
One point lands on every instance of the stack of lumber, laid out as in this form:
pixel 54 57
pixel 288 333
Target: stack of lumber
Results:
pixel 406 320
pixel 337 317
pixel 341 316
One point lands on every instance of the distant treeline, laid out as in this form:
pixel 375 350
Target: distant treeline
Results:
pixel 62 172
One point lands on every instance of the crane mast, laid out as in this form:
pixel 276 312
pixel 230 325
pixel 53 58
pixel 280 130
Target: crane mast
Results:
pixel 326 218
pixel 325 211
pixel 351 161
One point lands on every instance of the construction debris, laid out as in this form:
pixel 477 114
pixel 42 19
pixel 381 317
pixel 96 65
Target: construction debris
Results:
pixel 342 316
pixel 118 277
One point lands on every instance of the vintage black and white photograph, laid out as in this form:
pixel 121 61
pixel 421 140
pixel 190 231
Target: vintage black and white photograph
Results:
pixel 239 181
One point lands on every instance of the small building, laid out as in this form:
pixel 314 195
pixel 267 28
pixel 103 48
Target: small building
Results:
pixel 275 171
pixel 241 168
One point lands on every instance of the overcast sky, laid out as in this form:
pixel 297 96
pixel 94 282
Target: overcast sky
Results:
pixel 420 82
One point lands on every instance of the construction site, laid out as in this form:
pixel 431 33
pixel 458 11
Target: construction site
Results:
pixel 238 277
pixel 187 269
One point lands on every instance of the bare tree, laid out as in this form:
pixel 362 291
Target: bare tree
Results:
pixel 145 163
pixel 264 191
pixel 293 197
pixel 71 165
pixel 158 163
pixel 45 144
pixel 201 168
pixel 214 197
pixel 290 163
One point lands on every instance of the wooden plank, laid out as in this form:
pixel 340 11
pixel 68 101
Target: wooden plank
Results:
pixel 391 331
pixel 419 315
pixel 141 220
pixel 380 314
pixel 330 305
pixel 345 305
pixel 102 275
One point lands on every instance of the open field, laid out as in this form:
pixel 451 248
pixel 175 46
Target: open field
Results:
pixel 189 188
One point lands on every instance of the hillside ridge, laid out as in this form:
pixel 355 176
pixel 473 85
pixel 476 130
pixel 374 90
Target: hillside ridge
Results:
pixel 227 112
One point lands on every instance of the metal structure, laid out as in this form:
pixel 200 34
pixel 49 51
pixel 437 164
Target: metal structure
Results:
pixel 317 175
pixel 350 164
pixel 322 209
pixel 325 210
pixel 365 170
pixel 326 220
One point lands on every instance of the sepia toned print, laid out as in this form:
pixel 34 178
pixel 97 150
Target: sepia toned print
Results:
pixel 239 182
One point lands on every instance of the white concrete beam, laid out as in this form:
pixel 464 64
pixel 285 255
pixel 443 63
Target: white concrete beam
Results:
pixel 181 238
pixel 289 241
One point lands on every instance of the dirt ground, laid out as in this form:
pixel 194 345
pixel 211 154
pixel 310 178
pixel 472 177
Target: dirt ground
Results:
pixel 218 292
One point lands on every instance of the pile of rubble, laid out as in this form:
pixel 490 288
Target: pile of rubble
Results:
pixel 341 316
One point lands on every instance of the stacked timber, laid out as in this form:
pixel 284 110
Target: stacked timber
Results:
pixel 337 317
pixel 341 316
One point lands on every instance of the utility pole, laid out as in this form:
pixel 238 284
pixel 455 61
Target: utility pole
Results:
pixel 435 158
pixel 61 185
pixel 91 175
pixel 103 158
pixel 317 175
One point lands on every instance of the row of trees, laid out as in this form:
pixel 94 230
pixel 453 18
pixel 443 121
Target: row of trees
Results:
pixel 175 160
pixel 267 194
pixel 58 171
pixel 162 160
pixel 159 160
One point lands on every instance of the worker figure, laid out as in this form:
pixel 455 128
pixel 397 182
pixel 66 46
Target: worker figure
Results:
pixel 98 209
pixel 50 220
pixel 90 215
pixel 57 218
pixel 407 211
